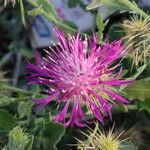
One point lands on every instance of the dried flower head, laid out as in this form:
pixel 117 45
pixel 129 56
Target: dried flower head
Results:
pixel 79 72
pixel 138 38
pixel 97 140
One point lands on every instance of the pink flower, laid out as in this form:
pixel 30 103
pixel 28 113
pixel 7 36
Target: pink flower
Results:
pixel 79 73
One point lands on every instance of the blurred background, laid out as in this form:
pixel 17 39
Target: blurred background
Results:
pixel 18 43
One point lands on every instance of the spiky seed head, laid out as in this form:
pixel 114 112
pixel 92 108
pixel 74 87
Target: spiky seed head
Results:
pixel 137 38
pixel 18 139
pixel 98 140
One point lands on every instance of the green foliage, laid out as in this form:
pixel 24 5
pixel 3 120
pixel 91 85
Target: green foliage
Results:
pixel 35 12
pixel 113 5
pixel 139 71
pixel 100 23
pixel 48 7
pixel 30 143
pixel 22 12
pixel 139 90
pixel 24 51
pixel 121 5
pixel 45 8
pixel 144 105
pixel 75 3
pixel 7 121
pixel 52 135
pixel 24 109
pixel 115 32
pixel 6 100
pixel 94 4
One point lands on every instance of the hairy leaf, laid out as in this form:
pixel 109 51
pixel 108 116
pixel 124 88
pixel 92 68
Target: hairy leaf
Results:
pixel 5 100
pixel 139 90
pixel 7 122
pixel 53 133
pixel 24 109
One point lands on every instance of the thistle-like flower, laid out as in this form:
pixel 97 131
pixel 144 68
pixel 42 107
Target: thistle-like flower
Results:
pixel 80 72
pixel 138 38
pixel 98 140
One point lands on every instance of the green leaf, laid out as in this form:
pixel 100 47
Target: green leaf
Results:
pixel 22 13
pixel 7 122
pixel 5 100
pixel 113 5
pixel 30 143
pixel 121 5
pixel 139 90
pixel 45 8
pixel 94 4
pixel 52 134
pixel 49 8
pixel 100 24
pixel 5 148
pixel 70 24
pixel 35 12
pixel 145 104
pixel 114 32
pixel 24 109
pixel 133 77
pixel 26 52
pixel 139 71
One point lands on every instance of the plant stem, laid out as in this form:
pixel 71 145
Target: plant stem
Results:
pixel 135 8
pixel 14 89
pixel 47 16
pixel 61 24
pixel 33 3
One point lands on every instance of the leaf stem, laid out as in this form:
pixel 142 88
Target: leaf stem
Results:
pixel 135 8
pixel 47 16
pixel 14 89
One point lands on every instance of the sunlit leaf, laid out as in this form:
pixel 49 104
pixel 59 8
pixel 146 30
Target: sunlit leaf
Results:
pixel 94 4
pixel 35 12
pixel 139 90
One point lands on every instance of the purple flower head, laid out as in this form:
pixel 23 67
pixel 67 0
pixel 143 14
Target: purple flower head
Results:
pixel 79 73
